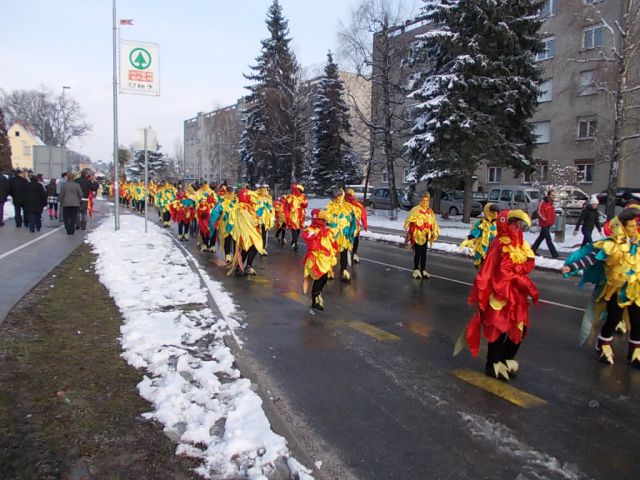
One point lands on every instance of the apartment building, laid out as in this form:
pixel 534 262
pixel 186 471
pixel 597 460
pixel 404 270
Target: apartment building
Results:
pixel 575 118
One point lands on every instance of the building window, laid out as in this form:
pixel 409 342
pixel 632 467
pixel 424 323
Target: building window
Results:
pixel 587 82
pixel 587 127
pixel 592 36
pixel 549 49
pixel 26 150
pixel 539 174
pixel 495 174
pixel 585 171
pixel 546 91
pixel 542 131
pixel 385 176
pixel 548 9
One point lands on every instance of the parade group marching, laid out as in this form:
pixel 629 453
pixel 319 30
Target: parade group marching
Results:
pixel 237 221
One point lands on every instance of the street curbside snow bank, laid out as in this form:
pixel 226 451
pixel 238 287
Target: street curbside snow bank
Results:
pixel 191 379
pixel 542 263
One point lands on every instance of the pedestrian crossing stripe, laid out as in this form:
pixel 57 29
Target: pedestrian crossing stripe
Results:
pixel 500 389
pixel 372 331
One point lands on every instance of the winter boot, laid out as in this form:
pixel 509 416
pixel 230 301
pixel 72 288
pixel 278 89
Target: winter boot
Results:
pixel 346 276
pixel 425 274
pixel 634 353
pixel 621 327
pixel 605 352
pixel 316 304
pixel 417 274
pixel 356 258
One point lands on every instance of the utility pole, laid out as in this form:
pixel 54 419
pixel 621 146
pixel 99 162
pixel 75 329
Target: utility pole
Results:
pixel 116 184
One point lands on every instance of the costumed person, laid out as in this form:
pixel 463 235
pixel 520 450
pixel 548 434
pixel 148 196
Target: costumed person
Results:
pixel 280 220
pixel 247 235
pixel 546 220
pixel 482 234
pixel 182 212
pixel 613 265
pixel 341 219
pixel 203 215
pixel 361 222
pixel 165 195
pixel 320 259
pixel 589 219
pixel 264 210
pixel 422 229
pixel 295 204
pixel 501 292
pixel 224 216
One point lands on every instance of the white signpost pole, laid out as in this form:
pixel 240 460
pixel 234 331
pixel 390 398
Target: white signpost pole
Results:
pixel 146 180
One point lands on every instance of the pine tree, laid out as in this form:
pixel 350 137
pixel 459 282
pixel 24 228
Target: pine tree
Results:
pixel 334 162
pixel 156 162
pixel 270 143
pixel 476 87
pixel 5 146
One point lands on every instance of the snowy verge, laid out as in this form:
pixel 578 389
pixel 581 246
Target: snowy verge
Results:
pixel 9 211
pixel 191 380
pixel 541 262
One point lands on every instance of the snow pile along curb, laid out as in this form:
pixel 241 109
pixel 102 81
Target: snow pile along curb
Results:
pixel 196 391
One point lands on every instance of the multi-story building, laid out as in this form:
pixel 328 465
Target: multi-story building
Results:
pixel 211 142
pixel 22 138
pixel 575 118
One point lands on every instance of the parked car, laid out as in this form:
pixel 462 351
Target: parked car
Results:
pixel 380 199
pixel 452 202
pixel 482 197
pixel 622 195
pixel 509 197
pixel 571 200
pixel 358 191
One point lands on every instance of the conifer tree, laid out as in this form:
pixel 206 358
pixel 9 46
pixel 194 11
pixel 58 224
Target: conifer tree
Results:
pixel 270 145
pixel 334 162
pixel 476 86
pixel 5 146
pixel 155 163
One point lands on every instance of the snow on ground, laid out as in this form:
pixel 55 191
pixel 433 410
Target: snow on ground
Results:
pixel 196 392
pixel 9 212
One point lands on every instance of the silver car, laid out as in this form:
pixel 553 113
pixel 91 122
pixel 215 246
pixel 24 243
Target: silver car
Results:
pixel 452 202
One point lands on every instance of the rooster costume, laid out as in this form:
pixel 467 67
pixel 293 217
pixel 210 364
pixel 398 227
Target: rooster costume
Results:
pixel 280 220
pixel 320 258
pixel 421 227
pixel 341 219
pixel 613 265
pixel 361 221
pixel 295 204
pixel 247 234
pixel 501 294
pixel 224 216
pixel 482 234
pixel 183 212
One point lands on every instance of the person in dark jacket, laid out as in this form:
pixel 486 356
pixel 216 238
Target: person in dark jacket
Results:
pixel 87 184
pixel 546 219
pixel 4 193
pixel 70 199
pixel 17 190
pixel 35 200
pixel 589 219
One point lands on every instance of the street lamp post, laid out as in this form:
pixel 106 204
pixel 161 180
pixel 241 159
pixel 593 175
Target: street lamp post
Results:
pixel 63 141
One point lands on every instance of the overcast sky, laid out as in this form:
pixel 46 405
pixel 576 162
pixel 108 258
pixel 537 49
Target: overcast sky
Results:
pixel 205 47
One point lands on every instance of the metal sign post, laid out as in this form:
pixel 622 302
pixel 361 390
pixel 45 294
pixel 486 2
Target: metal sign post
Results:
pixel 146 180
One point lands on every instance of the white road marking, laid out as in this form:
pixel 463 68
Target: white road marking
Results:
pixel 6 254
pixel 461 282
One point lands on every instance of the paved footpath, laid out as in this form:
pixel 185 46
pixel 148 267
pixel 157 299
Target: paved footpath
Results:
pixel 26 258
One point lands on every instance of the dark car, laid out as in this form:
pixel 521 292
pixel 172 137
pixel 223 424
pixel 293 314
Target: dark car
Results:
pixel 622 195
pixel 381 199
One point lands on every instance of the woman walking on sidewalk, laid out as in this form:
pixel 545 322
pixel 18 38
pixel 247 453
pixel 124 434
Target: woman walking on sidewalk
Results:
pixel 70 199
pixel 52 198
pixel 35 200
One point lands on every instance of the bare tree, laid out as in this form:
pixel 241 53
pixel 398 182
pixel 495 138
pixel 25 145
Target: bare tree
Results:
pixel 376 62
pixel 178 153
pixel 55 119
pixel 620 82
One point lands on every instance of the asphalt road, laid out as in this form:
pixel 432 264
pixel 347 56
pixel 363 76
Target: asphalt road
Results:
pixel 370 388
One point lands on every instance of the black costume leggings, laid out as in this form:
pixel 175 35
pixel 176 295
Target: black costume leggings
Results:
pixel 249 255
pixel 318 285
pixel 294 236
pixel 420 256
pixel 503 349
pixel 614 315
pixel 183 228
pixel 263 230
pixel 228 243
pixel 344 260
pixel 282 230
pixel 356 242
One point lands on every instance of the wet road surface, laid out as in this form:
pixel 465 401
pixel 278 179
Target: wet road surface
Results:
pixel 371 389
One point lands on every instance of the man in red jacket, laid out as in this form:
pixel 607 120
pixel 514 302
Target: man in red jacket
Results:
pixel 546 219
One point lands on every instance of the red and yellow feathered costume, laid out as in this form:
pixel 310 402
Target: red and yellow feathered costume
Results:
pixel 502 289
pixel 421 224
pixel 294 206
pixel 182 208
pixel 322 249
pixel 246 231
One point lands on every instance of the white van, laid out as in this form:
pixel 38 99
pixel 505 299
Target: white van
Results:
pixel 509 197
pixel 358 191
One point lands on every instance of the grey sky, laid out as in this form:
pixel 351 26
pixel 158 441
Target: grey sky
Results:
pixel 205 47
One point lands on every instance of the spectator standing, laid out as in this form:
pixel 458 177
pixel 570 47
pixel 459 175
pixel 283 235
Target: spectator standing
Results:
pixel 546 219
pixel 87 184
pixel 70 199
pixel 18 190
pixel 4 193
pixel 52 199
pixel 35 200
pixel 63 180
pixel 589 219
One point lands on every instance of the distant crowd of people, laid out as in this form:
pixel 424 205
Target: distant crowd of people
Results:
pixel 68 200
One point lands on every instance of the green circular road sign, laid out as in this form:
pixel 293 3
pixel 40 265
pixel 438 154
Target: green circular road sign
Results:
pixel 140 58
